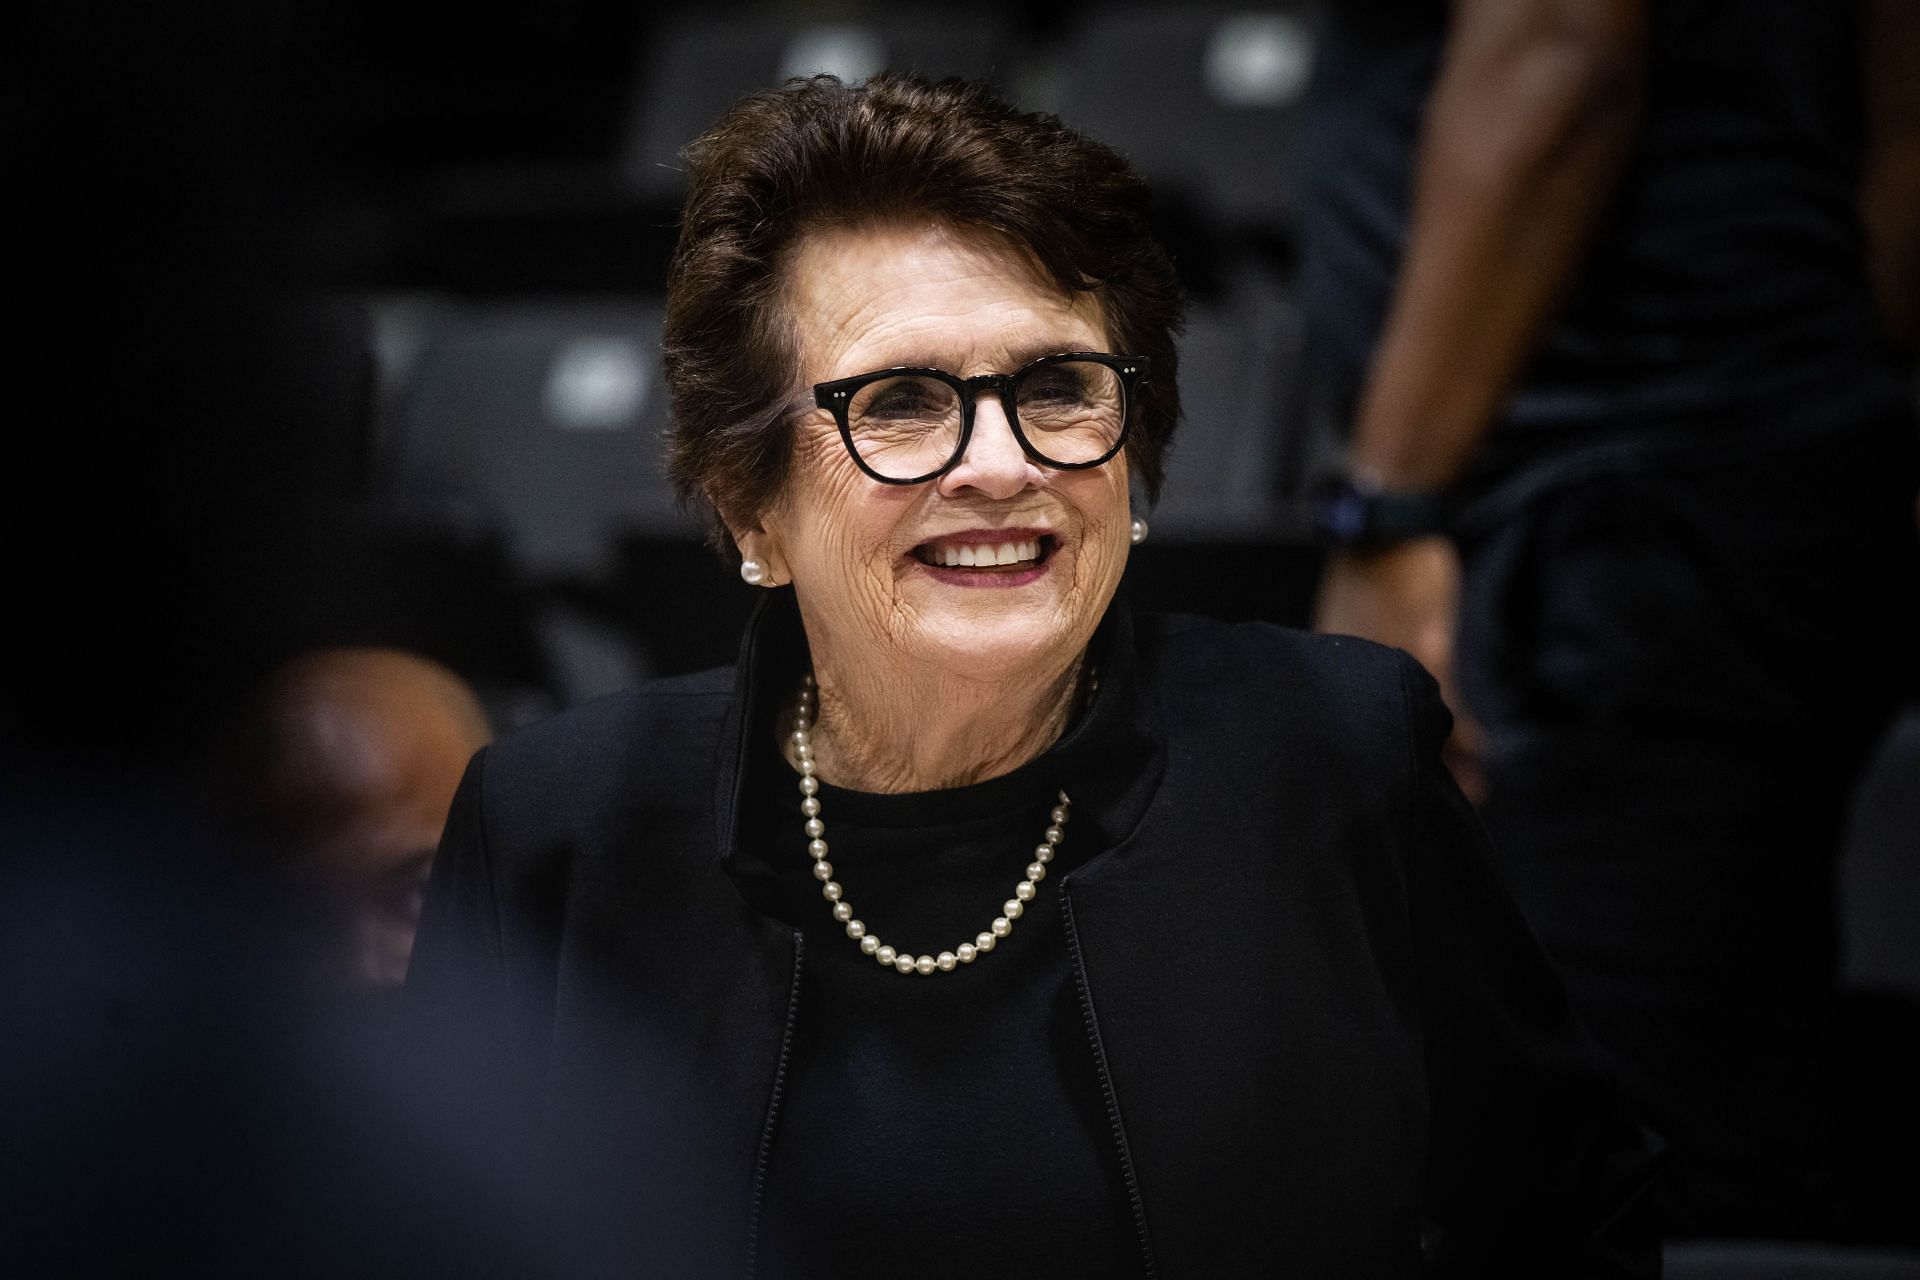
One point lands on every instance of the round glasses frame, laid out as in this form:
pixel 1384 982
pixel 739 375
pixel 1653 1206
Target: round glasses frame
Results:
pixel 837 395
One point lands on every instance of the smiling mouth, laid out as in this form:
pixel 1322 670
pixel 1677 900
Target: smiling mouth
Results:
pixel 1013 555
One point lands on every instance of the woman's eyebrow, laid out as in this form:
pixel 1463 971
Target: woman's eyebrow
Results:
pixel 1022 356
pixel 1016 358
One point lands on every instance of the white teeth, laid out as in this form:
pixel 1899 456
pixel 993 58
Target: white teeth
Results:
pixel 969 555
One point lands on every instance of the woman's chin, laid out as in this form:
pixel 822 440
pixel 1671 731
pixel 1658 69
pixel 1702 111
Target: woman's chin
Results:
pixel 995 658
pixel 990 634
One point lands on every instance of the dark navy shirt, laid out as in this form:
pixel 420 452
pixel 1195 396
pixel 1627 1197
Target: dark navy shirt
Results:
pixel 1724 292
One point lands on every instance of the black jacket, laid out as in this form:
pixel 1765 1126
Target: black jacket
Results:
pixel 1328 1043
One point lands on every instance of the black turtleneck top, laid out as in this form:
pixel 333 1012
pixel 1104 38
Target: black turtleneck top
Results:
pixel 951 1124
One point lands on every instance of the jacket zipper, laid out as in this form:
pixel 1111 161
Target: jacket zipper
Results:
pixel 773 1112
pixel 1106 1086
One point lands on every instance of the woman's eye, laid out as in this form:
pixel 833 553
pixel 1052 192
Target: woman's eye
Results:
pixel 898 405
pixel 1053 388
pixel 904 399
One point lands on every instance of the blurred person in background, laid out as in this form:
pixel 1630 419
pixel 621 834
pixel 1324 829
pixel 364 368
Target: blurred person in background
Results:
pixel 1632 470
pixel 170 1109
pixel 346 766
pixel 973 925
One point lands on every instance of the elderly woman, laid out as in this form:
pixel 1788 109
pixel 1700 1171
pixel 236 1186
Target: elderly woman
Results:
pixel 972 925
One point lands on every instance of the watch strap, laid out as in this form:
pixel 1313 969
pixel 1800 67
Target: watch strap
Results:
pixel 1349 514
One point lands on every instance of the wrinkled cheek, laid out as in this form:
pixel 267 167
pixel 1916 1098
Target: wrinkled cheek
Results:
pixel 1103 573
pixel 862 578
pixel 877 584
pixel 1107 542
pixel 822 515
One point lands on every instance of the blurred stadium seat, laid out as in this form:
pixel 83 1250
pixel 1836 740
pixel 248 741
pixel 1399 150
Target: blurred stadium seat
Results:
pixel 698 65
pixel 1238 453
pixel 1202 99
pixel 536 426
pixel 542 419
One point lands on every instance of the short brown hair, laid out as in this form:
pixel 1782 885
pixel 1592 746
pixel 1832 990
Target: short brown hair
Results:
pixel 819 152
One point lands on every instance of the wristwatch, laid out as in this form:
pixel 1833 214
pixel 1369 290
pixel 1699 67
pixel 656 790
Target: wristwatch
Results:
pixel 1349 513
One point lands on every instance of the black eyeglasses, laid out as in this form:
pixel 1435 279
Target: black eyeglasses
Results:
pixel 908 426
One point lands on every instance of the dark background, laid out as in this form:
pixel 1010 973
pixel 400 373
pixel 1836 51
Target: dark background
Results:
pixel 337 323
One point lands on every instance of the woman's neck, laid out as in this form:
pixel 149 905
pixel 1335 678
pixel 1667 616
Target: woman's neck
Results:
pixel 936 732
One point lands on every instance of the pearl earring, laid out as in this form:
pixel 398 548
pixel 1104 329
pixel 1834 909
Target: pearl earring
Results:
pixel 752 572
pixel 1139 531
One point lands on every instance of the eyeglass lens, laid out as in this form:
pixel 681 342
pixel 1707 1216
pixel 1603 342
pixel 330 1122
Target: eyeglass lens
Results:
pixel 905 426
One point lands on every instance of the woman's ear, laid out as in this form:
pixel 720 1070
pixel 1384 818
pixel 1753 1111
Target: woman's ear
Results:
pixel 760 562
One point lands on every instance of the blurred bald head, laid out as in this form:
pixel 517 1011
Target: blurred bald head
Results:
pixel 360 753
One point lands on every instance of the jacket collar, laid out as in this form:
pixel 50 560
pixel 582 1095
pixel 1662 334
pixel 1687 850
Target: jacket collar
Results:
pixel 1110 760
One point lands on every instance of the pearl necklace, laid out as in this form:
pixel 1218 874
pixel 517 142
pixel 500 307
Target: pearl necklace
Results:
pixel 830 889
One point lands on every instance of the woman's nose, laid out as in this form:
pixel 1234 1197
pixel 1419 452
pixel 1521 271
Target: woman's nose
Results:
pixel 994 463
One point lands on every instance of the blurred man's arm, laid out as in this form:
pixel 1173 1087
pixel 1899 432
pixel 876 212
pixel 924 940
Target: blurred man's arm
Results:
pixel 1890 192
pixel 1532 114
pixel 1530 120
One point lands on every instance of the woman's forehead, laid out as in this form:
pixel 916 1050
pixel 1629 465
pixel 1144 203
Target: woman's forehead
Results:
pixel 897 294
